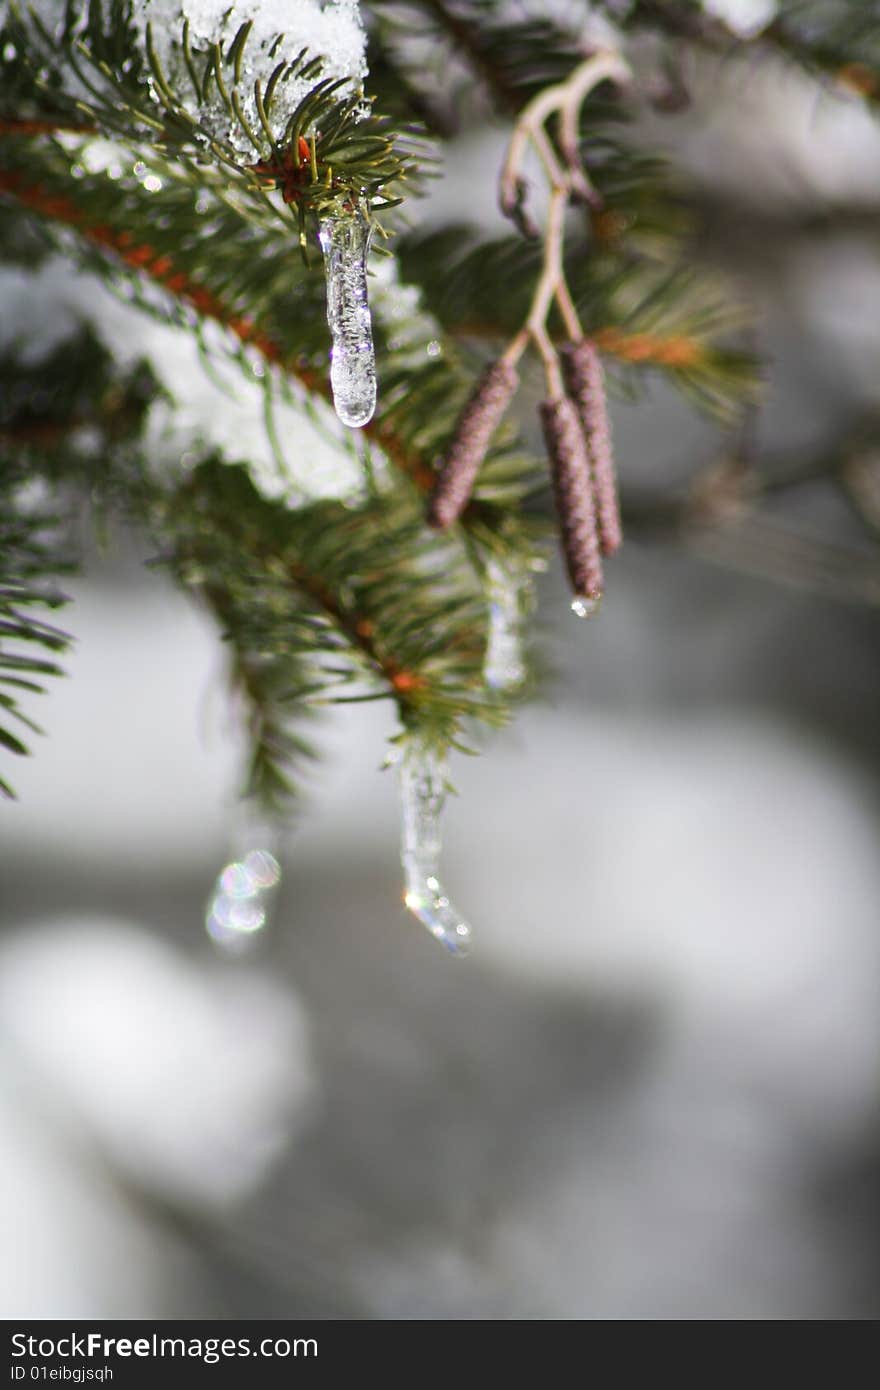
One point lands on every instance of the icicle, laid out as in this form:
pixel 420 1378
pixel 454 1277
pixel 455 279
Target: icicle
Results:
pixel 503 667
pixel 345 240
pixel 423 792
pixel 238 907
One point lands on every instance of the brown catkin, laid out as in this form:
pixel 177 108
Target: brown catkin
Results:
pixel 473 433
pixel 585 383
pixel 575 503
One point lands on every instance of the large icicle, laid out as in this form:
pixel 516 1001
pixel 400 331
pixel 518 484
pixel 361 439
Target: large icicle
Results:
pixel 423 792
pixel 345 240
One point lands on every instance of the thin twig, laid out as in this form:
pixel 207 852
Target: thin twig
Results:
pixel 567 181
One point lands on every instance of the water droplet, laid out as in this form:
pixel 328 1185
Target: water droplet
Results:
pixel 583 607
pixel 345 240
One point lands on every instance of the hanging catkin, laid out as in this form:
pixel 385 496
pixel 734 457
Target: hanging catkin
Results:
pixel 585 383
pixel 476 425
pixel 575 503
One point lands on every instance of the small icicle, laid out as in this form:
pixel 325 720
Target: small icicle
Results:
pixel 237 910
pixel 345 240
pixel 423 792
pixel 503 667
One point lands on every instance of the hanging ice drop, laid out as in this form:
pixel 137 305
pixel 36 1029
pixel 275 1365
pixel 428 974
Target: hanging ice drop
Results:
pixel 345 241
pixel 423 792
pixel 503 667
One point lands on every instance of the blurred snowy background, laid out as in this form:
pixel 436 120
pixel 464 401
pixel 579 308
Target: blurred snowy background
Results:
pixel 652 1090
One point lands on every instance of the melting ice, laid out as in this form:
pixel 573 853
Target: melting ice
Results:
pixel 423 792
pixel 345 240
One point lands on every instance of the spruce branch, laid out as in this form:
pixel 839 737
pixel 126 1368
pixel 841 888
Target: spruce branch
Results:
pixel 361 601
pixel 331 603
pixel 15 125
pixel 328 604
pixel 29 567
pixel 63 419
pixel 112 228
pixel 29 564
pixel 125 93
pixel 189 240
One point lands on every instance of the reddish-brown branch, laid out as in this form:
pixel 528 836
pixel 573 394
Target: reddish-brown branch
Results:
pixel 653 349
pixel 360 631
pixel 13 125
pixel 292 174
pixel 859 78
pixel 676 350
pixel 39 434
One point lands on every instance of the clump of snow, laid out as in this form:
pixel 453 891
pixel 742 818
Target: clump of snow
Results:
pixel 329 29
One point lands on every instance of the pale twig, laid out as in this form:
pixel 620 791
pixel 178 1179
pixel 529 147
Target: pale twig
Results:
pixel 604 66
pixel 566 181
